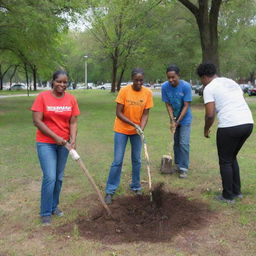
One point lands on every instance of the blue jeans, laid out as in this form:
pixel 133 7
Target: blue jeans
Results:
pixel 120 141
pixel 52 159
pixel 181 147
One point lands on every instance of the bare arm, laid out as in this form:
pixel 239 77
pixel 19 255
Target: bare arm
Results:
pixel 73 131
pixel 38 122
pixel 144 119
pixel 183 111
pixel 173 123
pixel 170 111
pixel 209 118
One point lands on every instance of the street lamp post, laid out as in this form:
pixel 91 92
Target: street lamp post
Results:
pixel 85 72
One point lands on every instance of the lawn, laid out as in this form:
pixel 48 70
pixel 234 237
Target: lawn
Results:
pixel 226 229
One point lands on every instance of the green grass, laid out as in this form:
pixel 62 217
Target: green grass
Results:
pixel 21 233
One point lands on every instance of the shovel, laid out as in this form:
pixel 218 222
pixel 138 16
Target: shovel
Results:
pixel 74 155
pixel 167 165
pixel 148 166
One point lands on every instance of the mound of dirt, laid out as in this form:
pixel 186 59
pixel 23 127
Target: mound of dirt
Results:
pixel 135 218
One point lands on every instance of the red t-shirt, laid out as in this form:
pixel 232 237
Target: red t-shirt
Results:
pixel 57 113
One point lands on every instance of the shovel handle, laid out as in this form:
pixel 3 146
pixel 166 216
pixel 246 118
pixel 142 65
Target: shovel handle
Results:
pixel 148 166
pixel 77 158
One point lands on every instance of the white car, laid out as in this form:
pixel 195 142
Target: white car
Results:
pixel 105 86
pixel 18 87
pixel 91 86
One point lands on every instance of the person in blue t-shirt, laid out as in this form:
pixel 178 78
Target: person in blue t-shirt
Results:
pixel 177 95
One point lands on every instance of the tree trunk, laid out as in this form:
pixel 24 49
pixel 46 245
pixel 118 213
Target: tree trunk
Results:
pixel 1 78
pixel 26 74
pixel 34 69
pixel 114 70
pixel 207 21
pixel 2 74
pixel 13 74
pixel 121 76
pixel 252 78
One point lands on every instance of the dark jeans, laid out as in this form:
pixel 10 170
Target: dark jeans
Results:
pixel 229 142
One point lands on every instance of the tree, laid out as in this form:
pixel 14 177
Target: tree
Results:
pixel 207 21
pixel 32 29
pixel 119 31
pixel 237 29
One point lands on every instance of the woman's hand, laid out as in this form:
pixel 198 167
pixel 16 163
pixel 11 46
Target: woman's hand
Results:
pixel 60 141
pixel 72 143
pixel 138 129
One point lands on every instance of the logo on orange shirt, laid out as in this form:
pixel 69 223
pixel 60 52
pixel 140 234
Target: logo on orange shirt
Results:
pixel 132 102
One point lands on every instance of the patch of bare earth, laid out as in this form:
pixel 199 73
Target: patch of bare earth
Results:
pixel 136 218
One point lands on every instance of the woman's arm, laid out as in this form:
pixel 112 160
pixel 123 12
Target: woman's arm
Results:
pixel 73 131
pixel 144 119
pixel 38 122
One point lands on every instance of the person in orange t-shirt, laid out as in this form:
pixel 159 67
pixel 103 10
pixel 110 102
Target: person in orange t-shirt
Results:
pixel 55 116
pixel 132 111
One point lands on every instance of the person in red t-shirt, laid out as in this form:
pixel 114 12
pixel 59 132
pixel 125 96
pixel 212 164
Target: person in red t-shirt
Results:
pixel 55 116
pixel 132 111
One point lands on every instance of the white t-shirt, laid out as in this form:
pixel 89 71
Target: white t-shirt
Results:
pixel 230 105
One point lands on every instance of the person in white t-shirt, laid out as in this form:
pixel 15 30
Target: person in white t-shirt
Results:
pixel 225 97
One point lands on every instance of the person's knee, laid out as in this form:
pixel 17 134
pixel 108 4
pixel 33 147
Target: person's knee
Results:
pixel 117 163
pixel 49 179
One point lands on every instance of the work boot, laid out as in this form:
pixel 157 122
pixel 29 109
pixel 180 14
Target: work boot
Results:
pixel 108 199
pixel 58 212
pixel 46 220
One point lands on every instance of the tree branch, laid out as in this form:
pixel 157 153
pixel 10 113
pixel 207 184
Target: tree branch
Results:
pixel 190 6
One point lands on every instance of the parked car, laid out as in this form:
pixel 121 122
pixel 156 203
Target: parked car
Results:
pixel 251 91
pixel 105 86
pixel 245 87
pixel 195 86
pixel 81 87
pixel 147 84
pixel 91 86
pixel 199 90
pixel 157 86
pixel 18 87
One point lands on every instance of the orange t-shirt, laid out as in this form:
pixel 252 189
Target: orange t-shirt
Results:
pixel 134 104
pixel 57 113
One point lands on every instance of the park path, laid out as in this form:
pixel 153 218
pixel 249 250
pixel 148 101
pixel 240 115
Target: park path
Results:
pixel 17 95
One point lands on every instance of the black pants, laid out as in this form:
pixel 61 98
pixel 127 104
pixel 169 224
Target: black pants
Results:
pixel 229 142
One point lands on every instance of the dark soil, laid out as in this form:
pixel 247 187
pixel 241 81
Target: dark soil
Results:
pixel 135 218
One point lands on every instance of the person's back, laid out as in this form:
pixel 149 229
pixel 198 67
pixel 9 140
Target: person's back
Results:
pixel 224 96
pixel 230 104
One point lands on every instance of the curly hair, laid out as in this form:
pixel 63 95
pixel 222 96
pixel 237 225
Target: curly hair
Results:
pixel 206 69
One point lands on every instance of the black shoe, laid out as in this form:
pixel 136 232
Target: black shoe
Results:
pixel 58 212
pixel 220 198
pixel 46 220
pixel 108 199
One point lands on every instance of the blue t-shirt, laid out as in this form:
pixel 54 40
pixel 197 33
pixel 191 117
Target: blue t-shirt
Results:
pixel 176 96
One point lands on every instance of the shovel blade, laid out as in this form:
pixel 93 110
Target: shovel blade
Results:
pixel 167 166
